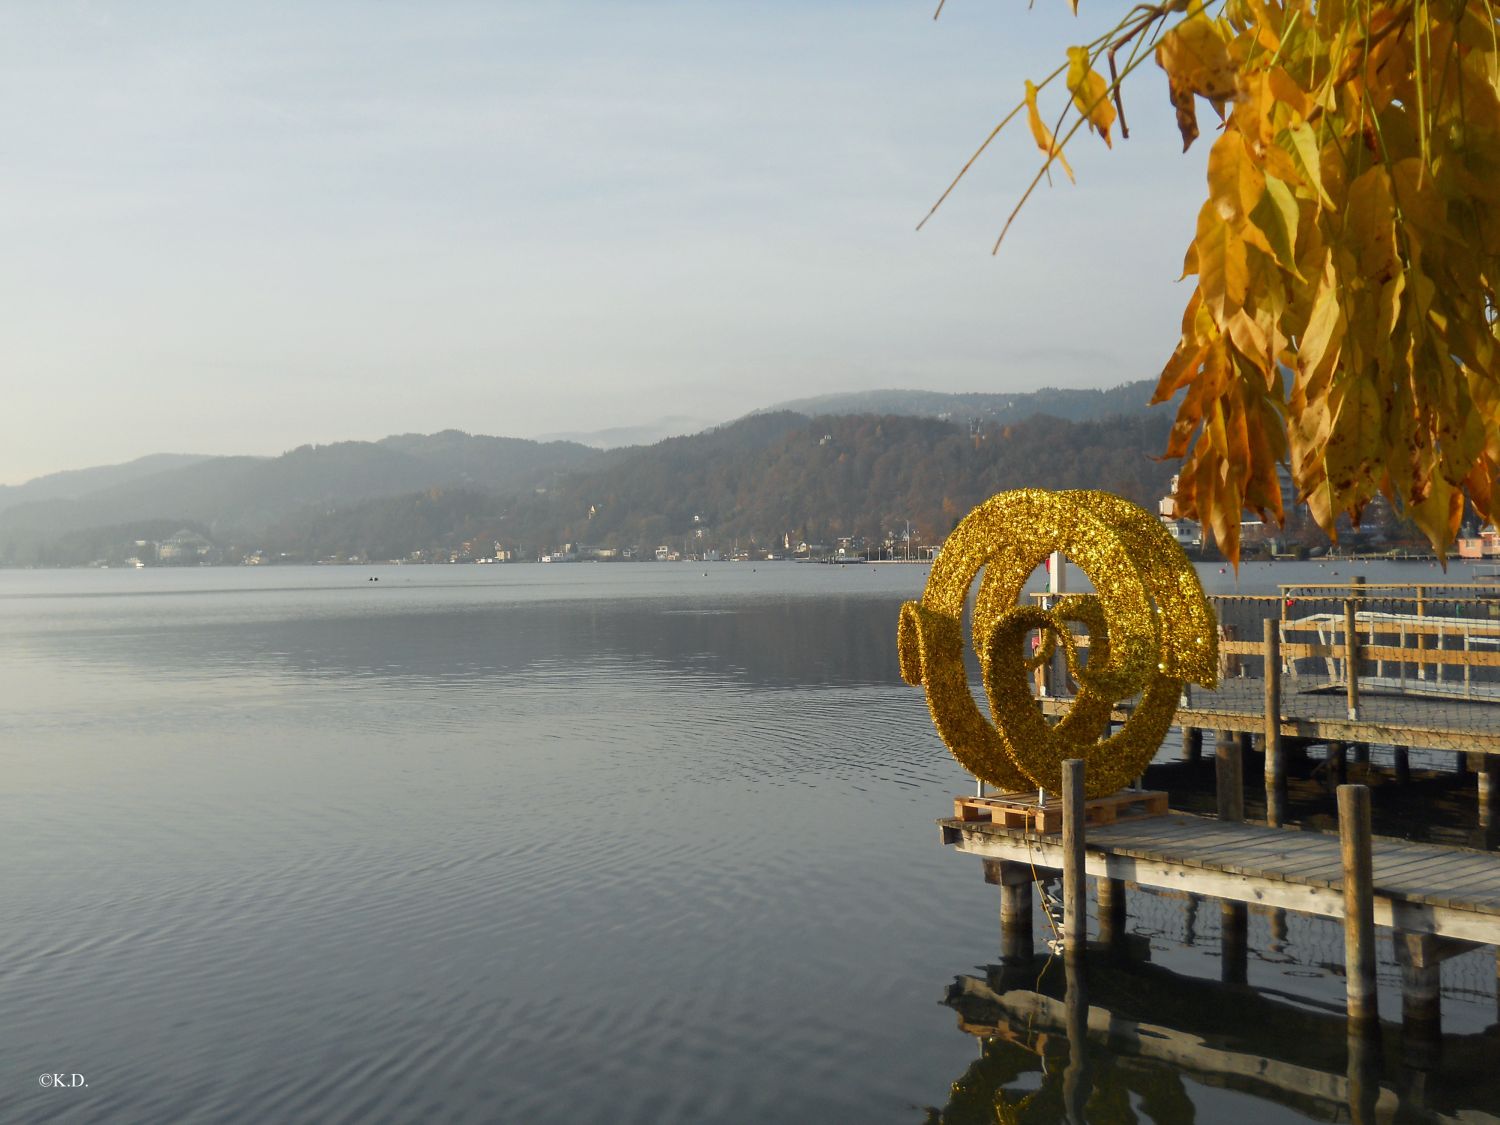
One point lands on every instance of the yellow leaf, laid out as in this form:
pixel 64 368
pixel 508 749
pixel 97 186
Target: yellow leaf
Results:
pixel 1355 442
pixel 1370 226
pixel 1276 215
pixel 1041 133
pixel 1195 57
pixel 1439 514
pixel 1090 93
pixel 1302 143
pixel 1324 326
pixel 1235 184
pixel 1223 272
pixel 1250 339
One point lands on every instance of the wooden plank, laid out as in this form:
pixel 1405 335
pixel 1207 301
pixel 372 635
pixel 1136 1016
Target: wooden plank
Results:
pixel 1465 925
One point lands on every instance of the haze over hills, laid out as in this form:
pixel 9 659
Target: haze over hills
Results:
pixel 762 480
pixel 73 483
pixel 646 433
pixel 1066 403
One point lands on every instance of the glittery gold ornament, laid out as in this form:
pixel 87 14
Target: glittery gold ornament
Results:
pixel 1150 631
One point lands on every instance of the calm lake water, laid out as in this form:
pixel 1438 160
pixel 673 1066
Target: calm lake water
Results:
pixel 635 843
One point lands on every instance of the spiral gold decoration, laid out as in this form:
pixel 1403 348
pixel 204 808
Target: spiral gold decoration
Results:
pixel 1150 632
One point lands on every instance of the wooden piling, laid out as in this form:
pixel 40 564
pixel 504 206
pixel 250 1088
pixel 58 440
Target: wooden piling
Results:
pixel 1015 883
pixel 1075 882
pixel 1275 755
pixel 1229 777
pixel 1234 942
pixel 1488 781
pixel 1110 894
pixel 1192 744
pixel 1076 1084
pixel 1421 995
pixel 1359 904
pixel 1401 760
pixel 1351 660
pixel 1363 1073
pixel 1338 764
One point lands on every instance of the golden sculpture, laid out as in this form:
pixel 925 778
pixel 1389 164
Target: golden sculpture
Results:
pixel 1150 632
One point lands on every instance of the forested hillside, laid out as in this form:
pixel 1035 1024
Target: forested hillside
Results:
pixel 237 498
pixel 757 482
pixel 761 482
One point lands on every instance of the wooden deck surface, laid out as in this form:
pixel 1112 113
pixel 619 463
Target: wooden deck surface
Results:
pixel 1419 888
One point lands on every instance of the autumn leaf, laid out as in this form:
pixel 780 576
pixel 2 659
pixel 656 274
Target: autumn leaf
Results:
pixel 1090 93
pixel 1195 57
pixel 1223 272
pixel 1041 133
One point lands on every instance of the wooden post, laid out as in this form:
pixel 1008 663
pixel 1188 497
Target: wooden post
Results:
pixel 1488 777
pixel 1015 882
pixel 1015 922
pixel 1421 990
pixel 1234 942
pixel 1229 777
pixel 1363 1073
pixel 1275 757
pixel 1360 753
pixel 1075 883
pixel 1076 1082
pixel 1277 919
pixel 1422 637
pixel 1401 759
pixel 1338 764
pixel 1192 744
pixel 1351 660
pixel 1111 896
pixel 1359 904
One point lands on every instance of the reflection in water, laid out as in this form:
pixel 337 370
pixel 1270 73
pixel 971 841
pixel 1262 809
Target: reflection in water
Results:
pixel 1119 1039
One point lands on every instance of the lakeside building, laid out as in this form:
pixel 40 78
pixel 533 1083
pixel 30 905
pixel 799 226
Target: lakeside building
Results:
pixel 1485 545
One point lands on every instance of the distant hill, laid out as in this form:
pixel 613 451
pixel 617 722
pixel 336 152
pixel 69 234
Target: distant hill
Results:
pixel 1069 404
pixel 237 497
pixel 757 480
pixel 80 482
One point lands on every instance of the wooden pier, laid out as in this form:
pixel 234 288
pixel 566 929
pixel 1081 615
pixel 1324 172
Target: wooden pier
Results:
pixel 1419 888
pixel 1437 901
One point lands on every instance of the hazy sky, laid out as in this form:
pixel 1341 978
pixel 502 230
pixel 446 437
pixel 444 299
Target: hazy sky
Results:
pixel 236 228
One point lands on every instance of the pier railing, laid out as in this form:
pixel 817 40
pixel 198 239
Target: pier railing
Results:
pixel 1410 665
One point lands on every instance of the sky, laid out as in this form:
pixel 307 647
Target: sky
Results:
pixel 239 228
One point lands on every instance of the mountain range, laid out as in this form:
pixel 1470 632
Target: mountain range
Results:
pixel 872 462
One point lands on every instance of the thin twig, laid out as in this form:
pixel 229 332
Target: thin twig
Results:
pixel 1114 83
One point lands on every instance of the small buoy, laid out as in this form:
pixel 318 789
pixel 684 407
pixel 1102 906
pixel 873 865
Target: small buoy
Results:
pixel 1221 570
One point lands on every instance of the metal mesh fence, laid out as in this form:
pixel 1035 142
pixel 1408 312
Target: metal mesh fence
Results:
pixel 1423 659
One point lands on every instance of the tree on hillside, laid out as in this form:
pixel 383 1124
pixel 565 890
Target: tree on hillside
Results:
pixel 1347 254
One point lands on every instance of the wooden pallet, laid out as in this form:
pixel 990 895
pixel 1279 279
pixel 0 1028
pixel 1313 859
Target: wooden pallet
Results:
pixel 1020 810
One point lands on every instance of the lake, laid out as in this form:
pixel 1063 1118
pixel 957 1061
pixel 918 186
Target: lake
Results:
pixel 630 843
